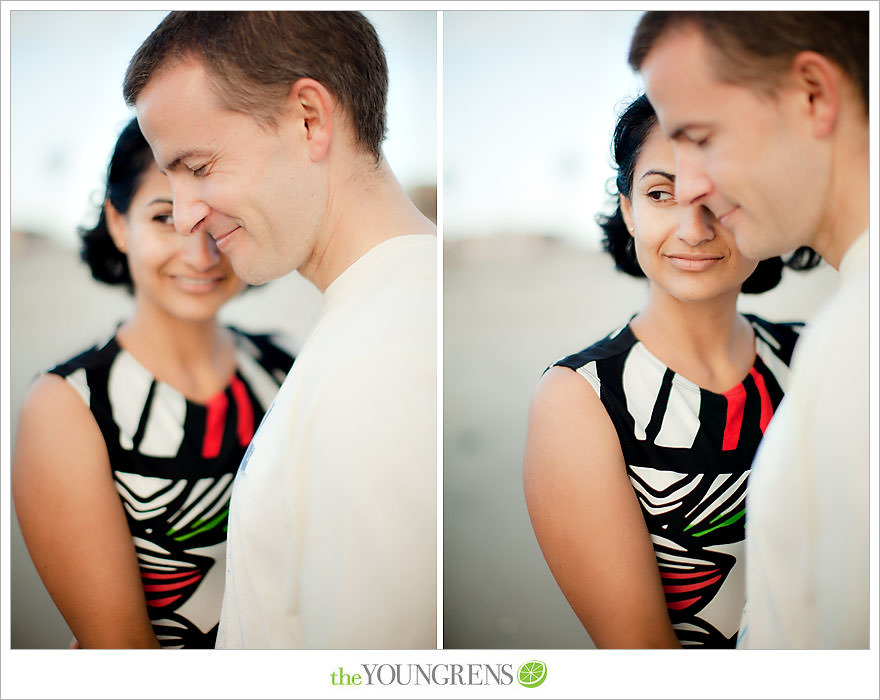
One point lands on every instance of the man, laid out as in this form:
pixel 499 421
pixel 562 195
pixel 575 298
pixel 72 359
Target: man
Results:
pixel 269 126
pixel 768 113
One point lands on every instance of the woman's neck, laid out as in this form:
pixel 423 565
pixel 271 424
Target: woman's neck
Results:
pixel 195 357
pixel 706 342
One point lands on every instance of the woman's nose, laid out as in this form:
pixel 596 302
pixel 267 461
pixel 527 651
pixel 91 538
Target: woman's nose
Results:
pixel 695 226
pixel 199 250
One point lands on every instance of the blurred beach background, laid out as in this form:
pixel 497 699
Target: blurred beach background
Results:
pixel 530 102
pixel 66 110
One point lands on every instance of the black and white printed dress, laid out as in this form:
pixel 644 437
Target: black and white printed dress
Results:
pixel 688 453
pixel 173 463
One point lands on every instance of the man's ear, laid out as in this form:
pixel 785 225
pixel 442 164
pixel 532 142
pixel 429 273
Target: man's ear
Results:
pixel 115 225
pixel 819 80
pixel 311 105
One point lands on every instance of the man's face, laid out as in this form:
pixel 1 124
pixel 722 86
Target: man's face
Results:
pixel 249 186
pixel 749 158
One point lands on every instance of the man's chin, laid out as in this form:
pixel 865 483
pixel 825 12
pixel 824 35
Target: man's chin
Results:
pixel 755 245
pixel 247 273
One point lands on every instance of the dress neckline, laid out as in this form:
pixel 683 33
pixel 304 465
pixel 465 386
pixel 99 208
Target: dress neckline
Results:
pixel 227 387
pixel 689 384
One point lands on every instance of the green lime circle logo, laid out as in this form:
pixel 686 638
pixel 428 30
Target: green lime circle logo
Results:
pixel 531 674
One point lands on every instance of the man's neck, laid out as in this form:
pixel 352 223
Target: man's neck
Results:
pixel 847 209
pixel 365 209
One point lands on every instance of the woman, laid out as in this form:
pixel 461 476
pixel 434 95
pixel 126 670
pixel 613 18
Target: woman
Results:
pixel 126 453
pixel 639 447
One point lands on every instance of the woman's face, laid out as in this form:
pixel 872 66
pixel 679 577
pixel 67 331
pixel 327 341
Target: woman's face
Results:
pixel 185 277
pixel 683 249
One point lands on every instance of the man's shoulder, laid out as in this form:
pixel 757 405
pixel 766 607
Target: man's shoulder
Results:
pixel 398 301
pixel 835 341
pixel 408 258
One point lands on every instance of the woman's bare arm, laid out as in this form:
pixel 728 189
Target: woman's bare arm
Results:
pixel 587 519
pixel 73 521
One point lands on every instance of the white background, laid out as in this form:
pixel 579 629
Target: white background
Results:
pixel 306 674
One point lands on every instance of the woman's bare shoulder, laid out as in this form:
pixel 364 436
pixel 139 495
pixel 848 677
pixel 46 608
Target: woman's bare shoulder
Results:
pixel 56 428
pixel 571 424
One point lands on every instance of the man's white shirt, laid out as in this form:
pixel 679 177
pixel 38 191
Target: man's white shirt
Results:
pixel 807 509
pixel 332 526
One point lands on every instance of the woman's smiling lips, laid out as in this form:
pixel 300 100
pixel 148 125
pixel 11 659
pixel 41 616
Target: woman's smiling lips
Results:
pixel 691 262
pixel 198 285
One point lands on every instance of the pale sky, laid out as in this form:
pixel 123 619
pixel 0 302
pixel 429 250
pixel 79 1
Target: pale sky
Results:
pixel 530 103
pixel 530 100
pixel 66 106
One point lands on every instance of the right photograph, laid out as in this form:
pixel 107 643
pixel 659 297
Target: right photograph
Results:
pixel 656 330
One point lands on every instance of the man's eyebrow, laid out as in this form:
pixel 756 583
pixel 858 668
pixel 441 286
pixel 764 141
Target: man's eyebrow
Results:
pixel 678 134
pixel 662 173
pixel 180 157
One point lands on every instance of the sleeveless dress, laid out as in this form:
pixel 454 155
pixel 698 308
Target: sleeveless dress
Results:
pixel 688 454
pixel 173 464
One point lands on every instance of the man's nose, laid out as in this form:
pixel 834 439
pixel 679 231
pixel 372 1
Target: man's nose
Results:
pixel 189 211
pixel 692 183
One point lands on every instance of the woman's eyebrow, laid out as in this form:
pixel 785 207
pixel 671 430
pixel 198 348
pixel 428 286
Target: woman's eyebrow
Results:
pixel 662 173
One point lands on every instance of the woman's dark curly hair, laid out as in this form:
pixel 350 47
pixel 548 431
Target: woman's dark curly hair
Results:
pixel 633 127
pixel 131 158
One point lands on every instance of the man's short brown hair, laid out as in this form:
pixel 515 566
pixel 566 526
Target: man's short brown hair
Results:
pixel 755 48
pixel 252 59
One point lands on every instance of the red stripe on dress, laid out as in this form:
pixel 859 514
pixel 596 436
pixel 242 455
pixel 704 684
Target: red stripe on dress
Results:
pixel 245 411
pixel 736 402
pixel 162 602
pixel 690 574
pixel 681 604
pixel 687 587
pixel 766 403
pixel 215 421
pixel 161 587
pixel 150 574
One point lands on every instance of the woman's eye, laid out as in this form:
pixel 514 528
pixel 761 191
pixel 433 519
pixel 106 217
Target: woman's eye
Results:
pixel 166 219
pixel 660 195
pixel 201 171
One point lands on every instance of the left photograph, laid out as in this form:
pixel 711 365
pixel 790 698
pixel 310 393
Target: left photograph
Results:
pixel 223 367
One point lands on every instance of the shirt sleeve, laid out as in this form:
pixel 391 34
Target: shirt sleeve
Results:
pixel 838 435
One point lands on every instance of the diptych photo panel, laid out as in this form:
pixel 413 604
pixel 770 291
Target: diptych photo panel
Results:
pixel 446 350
